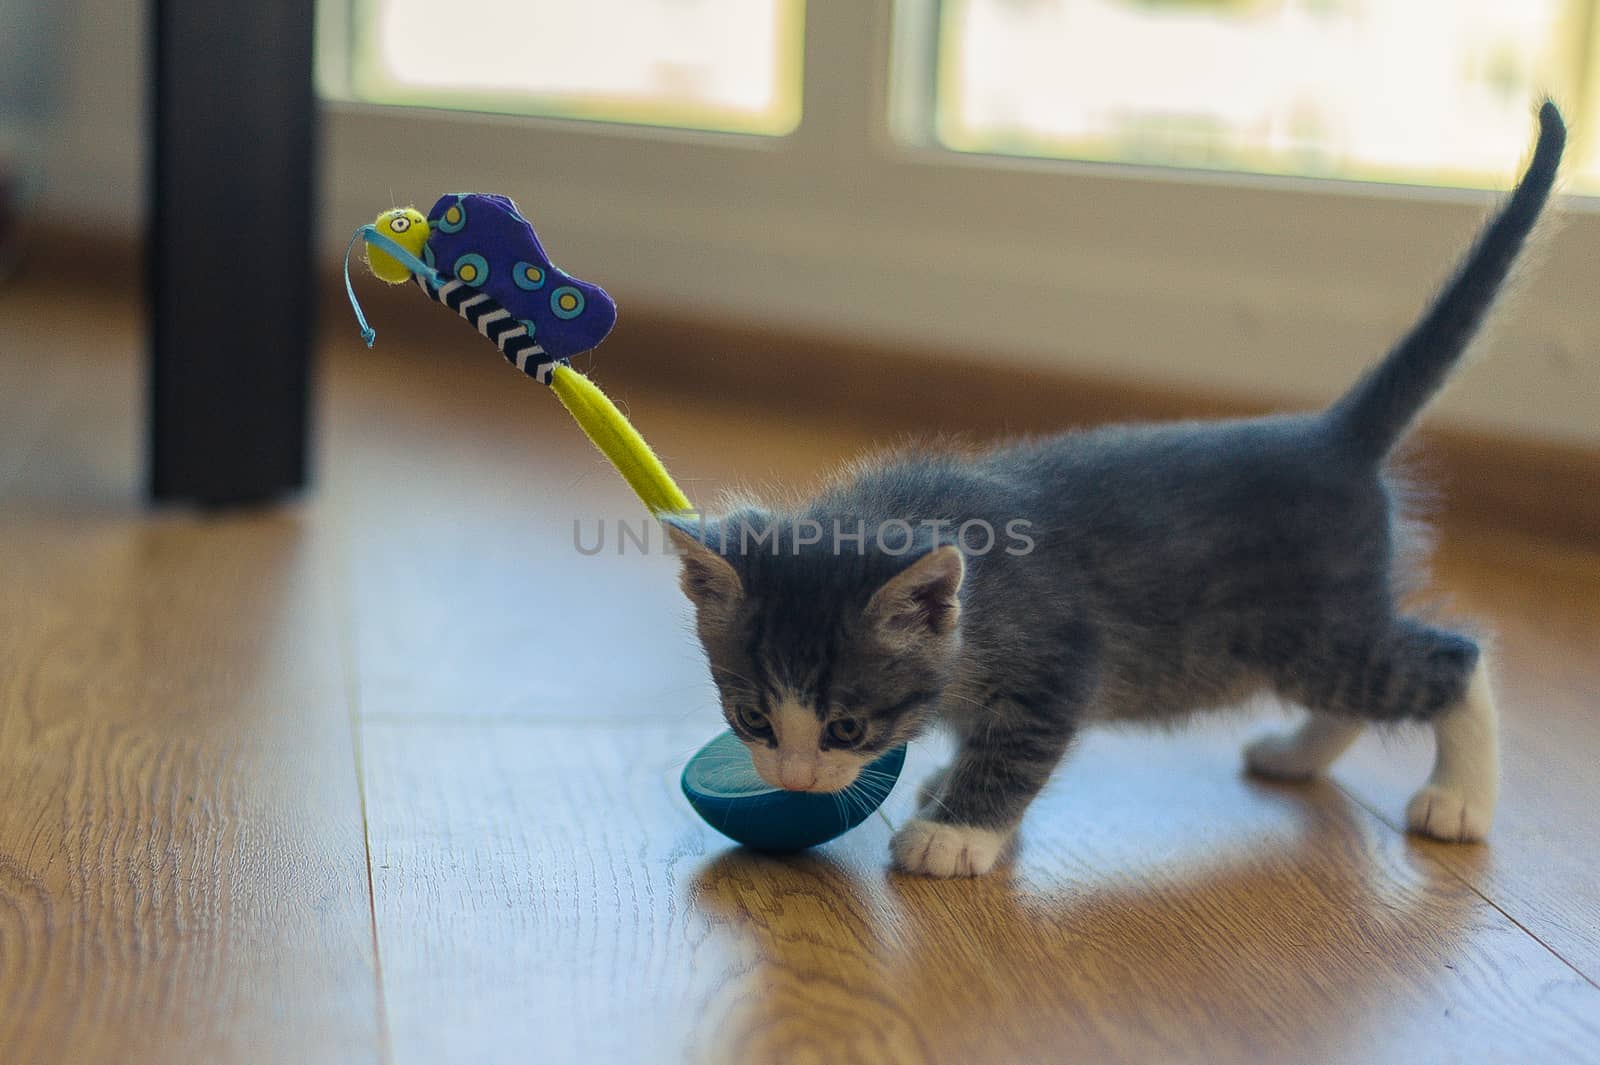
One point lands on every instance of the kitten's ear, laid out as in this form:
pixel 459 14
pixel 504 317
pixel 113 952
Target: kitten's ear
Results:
pixel 923 599
pixel 707 578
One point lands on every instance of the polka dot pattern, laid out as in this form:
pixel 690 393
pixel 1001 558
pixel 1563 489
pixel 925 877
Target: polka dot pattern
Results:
pixel 454 218
pixel 471 269
pixel 528 276
pixel 566 303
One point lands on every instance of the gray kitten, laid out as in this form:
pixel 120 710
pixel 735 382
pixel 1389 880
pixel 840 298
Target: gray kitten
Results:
pixel 1131 573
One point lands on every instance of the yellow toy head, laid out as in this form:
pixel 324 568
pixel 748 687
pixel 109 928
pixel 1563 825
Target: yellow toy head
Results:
pixel 407 227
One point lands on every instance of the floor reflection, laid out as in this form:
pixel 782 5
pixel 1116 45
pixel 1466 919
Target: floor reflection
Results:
pixel 1253 921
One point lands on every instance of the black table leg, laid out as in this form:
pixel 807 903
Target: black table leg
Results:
pixel 232 128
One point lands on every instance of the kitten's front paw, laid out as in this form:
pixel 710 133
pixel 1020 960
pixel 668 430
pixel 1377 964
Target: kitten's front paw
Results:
pixel 931 849
pixel 1448 814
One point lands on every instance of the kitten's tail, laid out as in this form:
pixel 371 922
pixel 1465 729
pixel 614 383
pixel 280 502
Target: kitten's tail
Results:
pixel 1372 417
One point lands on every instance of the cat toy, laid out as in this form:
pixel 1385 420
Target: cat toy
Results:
pixel 478 256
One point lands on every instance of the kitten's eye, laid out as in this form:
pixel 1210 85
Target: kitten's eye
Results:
pixel 846 731
pixel 753 719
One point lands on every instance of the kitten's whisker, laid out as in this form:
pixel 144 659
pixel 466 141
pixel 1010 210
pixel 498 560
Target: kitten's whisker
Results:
pixel 933 800
pixel 969 700
pixel 734 674
pixel 694 711
pixel 721 759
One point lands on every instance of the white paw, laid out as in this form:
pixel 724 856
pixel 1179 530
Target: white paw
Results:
pixel 1280 757
pixel 1448 814
pixel 931 849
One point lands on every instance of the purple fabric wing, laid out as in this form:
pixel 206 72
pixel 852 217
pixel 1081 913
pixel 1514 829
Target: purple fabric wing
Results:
pixel 484 242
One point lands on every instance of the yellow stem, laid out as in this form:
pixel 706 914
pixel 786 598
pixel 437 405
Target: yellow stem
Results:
pixel 618 441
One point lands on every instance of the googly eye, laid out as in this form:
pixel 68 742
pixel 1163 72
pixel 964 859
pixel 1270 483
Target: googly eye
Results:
pixel 528 276
pixel 454 217
pixel 471 269
pixel 399 224
pixel 566 302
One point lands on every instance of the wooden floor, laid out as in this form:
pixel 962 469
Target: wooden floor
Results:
pixel 389 775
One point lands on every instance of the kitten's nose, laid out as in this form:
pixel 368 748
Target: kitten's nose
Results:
pixel 797 775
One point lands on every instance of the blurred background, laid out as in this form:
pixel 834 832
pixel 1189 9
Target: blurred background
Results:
pixel 1240 197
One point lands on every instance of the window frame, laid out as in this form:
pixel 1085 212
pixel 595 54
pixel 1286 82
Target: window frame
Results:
pixel 857 225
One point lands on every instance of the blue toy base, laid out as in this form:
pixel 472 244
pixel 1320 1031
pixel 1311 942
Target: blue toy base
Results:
pixel 721 784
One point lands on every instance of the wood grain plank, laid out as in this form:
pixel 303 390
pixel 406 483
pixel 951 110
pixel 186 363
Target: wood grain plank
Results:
pixel 1247 900
pixel 182 873
pixel 535 888
pixel 181 859
pixel 543 892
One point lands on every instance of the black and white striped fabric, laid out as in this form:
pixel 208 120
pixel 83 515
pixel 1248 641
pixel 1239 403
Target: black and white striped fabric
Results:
pixel 484 313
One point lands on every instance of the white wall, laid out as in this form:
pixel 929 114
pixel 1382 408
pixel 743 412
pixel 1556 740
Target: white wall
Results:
pixel 93 148
pixel 1280 289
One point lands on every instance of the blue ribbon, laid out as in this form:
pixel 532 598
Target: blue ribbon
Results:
pixel 372 235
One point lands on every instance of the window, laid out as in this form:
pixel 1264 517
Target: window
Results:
pixel 1426 91
pixel 1315 88
pixel 711 64
pixel 910 186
